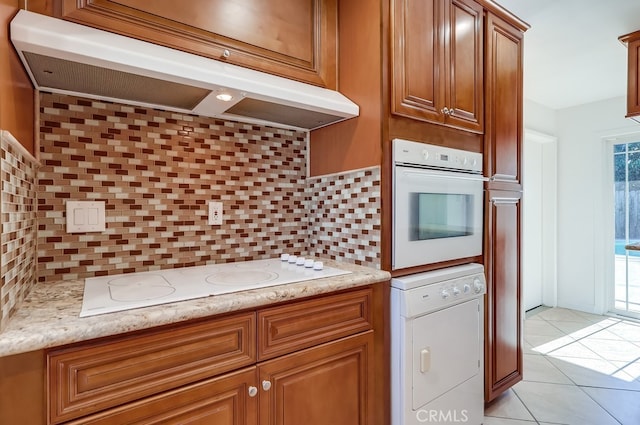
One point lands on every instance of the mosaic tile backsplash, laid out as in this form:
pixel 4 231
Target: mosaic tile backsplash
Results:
pixel 18 172
pixel 156 172
pixel 345 220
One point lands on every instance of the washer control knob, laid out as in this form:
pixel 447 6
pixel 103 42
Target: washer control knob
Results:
pixel 466 288
pixel 456 291
pixel 478 286
pixel 444 293
pixel 425 154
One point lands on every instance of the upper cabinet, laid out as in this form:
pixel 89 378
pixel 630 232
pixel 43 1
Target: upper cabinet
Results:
pixel 437 54
pixel 291 38
pixel 503 100
pixel 633 74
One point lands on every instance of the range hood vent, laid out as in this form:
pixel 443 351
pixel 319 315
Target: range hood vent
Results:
pixel 69 58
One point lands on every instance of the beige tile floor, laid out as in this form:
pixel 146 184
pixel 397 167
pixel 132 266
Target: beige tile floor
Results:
pixel 579 369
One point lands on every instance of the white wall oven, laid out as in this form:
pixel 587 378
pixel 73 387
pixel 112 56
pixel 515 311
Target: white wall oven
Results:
pixel 437 204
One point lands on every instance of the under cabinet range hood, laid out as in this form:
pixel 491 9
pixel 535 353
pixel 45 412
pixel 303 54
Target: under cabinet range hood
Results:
pixel 69 58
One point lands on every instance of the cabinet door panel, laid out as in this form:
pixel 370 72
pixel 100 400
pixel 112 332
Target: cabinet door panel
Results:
pixel 290 38
pixel 504 100
pixel 466 97
pixel 504 313
pixel 633 77
pixel 418 59
pixel 236 20
pixel 328 384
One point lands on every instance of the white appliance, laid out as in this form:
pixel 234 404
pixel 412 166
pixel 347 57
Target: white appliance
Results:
pixel 65 57
pixel 437 347
pixel 437 204
pixel 107 294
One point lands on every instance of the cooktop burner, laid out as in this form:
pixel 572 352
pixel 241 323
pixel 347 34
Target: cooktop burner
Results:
pixel 106 294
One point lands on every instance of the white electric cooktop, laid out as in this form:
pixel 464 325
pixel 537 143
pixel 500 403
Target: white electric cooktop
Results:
pixel 107 294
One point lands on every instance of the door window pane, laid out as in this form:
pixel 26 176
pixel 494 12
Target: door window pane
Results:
pixel 626 160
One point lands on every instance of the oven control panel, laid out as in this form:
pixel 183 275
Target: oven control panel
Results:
pixel 425 155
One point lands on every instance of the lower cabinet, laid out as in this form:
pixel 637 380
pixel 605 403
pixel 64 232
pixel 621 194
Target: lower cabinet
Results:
pixel 503 311
pixel 330 384
pixel 312 362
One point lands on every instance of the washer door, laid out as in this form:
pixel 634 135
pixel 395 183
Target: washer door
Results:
pixel 446 350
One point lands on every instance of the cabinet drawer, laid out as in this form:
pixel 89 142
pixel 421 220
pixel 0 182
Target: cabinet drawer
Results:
pixel 97 376
pixel 222 400
pixel 292 327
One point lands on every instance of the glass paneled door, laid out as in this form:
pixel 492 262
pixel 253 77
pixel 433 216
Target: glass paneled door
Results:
pixel 626 161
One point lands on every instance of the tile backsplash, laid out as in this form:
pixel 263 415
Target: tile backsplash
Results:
pixel 18 173
pixel 345 223
pixel 156 172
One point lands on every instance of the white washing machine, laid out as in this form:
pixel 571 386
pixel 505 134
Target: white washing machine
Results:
pixel 437 347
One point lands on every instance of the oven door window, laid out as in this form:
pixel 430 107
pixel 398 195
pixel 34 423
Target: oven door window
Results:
pixel 440 215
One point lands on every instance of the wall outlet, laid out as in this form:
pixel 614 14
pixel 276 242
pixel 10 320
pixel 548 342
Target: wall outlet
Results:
pixel 215 213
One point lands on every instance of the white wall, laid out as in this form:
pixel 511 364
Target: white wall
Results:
pixel 539 118
pixel 582 186
pixel 539 215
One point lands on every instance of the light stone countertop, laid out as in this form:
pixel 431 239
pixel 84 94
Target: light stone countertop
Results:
pixel 49 317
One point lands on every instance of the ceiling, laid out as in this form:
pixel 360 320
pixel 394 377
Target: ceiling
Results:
pixel 572 54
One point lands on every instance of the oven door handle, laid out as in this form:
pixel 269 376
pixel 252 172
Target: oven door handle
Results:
pixel 445 175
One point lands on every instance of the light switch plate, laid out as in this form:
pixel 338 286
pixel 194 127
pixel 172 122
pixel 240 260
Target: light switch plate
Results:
pixel 85 216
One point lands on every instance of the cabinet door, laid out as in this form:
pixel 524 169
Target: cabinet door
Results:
pixel 503 131
pixel 418 59
pixel 290 38
pixel 327 384
pixel 224 400
pixel 633 78
pixel 438 63
pixel 504 321
pixel 464 65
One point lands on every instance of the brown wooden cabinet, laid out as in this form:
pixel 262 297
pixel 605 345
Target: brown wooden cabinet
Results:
pixel 503 312
pixel 290 38
pixel 503 150
pixel 314 361
pixel 438 62
pixel 17 102
pixel 328 384
pixel 632 41
pixel 504 103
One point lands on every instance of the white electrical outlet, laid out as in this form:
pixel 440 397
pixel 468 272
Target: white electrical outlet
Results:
pixel 215 213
